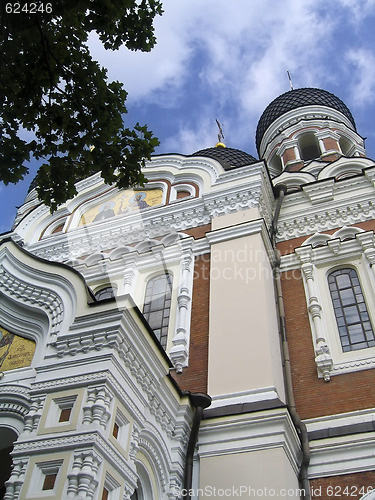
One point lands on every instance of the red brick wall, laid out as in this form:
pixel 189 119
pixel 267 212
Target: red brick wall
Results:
pixel 314 397
pixel 198 232
pixel 289 155
pixel 194 377
pixel 347 486
pixel 330 144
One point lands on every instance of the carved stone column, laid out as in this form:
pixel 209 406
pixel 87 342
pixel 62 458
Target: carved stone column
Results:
pixel 97 407
pixel 16 480
pixel 368 245
pixel 180 350
pixel 34 414
pixel 129 279
pixel 82 479
pixel 323 358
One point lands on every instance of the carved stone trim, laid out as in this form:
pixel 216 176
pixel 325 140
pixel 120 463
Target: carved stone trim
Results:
pixel 323 358
pixel 96 409
pixel 16 480
pixel 180 350
pixel 34 296
pixel 82 480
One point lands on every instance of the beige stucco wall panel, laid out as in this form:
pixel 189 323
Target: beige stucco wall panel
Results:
pixel 244 350
pixel 235 218
pixel 255 474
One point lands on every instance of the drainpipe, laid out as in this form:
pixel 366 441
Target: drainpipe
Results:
pixel 296 419
pixel 200 401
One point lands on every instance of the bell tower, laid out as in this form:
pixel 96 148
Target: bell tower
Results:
pixel 304 125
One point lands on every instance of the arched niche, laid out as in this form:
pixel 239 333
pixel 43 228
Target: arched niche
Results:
pixel 309 147
pixel 7 438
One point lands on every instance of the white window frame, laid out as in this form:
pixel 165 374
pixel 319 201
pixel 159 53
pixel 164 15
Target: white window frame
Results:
pixel 123 429
pixel 56 406
pixel 41 470
pixel 176 258
pixel 112 486
pixel 318 257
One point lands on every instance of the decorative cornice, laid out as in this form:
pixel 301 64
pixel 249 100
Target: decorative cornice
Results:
pixel 232 191
pixel 81 441
pixel 305 220
pixel 33 295
pixel 245 229
pixel 102 337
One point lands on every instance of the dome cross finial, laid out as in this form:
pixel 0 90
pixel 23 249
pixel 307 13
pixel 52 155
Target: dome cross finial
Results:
pixel 290 80
pixel 220 135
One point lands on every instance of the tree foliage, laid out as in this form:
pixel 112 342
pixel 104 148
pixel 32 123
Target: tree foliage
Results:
pixel 51 86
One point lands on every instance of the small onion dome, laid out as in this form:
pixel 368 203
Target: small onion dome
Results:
pixel 299 98
pixel 228 157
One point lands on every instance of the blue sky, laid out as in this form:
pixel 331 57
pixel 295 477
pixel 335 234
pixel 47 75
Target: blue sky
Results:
pixel 228 60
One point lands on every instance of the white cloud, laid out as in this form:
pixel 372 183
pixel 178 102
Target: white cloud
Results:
pixel 187 140
pixel 358 9
pixel 361 65
pixel 234 55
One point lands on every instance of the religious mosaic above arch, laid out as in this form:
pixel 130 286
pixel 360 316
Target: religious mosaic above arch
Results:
pixel 124 202
pixel 15 351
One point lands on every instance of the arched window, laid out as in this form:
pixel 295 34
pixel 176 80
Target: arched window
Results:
pixel 157 305
pixel 345 145
pixel 107 292
pixel 350 308
pixel 144 490
pixel 309 147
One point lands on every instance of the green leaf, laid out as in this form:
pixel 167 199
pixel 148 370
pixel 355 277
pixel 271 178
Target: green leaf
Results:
pixel 51 85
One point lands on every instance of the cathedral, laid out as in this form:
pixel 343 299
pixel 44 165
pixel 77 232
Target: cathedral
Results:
pixel 210 334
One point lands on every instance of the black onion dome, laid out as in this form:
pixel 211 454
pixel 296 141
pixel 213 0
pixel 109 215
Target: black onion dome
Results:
pixel 299 98
pixel 228 157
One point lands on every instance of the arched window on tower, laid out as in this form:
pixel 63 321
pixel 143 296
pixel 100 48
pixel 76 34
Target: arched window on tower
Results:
pixel 275 165
pixel 345 146
pixel 157 305
pixel 308 146
pixel 350 308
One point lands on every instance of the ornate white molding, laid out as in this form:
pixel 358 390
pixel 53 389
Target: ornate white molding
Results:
pixel 323 359
pixel 97 407
pixel 235 190
pixel 180 351
pixel 319 253
pixel 76 441
pixel 33 416
pixel 33 295
pixel 101 338
pixel 16 480
pixel 82 480
pixel 306 221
